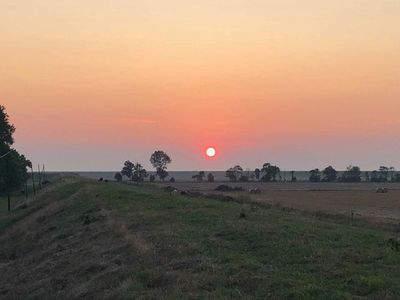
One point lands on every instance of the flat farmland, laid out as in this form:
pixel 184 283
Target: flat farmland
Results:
pixel 329 198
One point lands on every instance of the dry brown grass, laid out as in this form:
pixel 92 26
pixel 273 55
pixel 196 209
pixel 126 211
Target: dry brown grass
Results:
pixel 329 198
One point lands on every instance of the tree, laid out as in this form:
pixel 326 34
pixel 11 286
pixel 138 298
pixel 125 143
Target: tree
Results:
pixel 381 175
pixel 234 173
pixel 200 176
pixel 127 170
pixel 367 177
pixel 13 166
pixel 293 178
pixel 139 173
pixel 397 177
pixel 375 177
pixel 315 175
pixel 330 174
pixel 118 177
pixel 152 178
pixel 392 172
pixel 159 159
pixel 352 174
pixel 210 177
pixel 269 172
pixel 257 173
pixel 6 128
pixel 384 173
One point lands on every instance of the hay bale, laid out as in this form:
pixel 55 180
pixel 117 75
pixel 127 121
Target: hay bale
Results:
pixel 255 191
pixel 382 190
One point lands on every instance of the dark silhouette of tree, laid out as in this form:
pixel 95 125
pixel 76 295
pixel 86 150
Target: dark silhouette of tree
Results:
pixel 352 174
pixel 382 175
pixel 159 159
pixel 329 174
pixel 257 173
pixel 139 173
pixel 397 177
pixel 392 173
pixel 127 170
pixel 200 176
pixel 210 177
pixel 6 128
pixel 375 176
pixel 13 166
pixel 292 177
pixel 172 179
pixel 269 172
pixel 367 177
pixel 118 177
pixel 152 178
pixel 315 175
pixel 234 173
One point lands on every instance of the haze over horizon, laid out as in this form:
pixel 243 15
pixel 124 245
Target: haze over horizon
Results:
pixel 301 84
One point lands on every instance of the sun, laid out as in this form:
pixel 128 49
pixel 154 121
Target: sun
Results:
pixel 211 152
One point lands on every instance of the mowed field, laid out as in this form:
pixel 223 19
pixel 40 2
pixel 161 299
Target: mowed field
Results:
pixel 342 199
pixel 85 239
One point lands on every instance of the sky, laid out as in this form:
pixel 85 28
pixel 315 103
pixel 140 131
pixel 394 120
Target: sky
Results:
pixel 302 84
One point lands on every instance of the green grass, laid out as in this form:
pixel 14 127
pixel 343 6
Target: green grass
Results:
pixel 107 240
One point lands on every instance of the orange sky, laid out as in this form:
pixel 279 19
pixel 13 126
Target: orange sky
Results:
pixel 302 84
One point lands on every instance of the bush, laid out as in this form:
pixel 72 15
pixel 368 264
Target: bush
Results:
pixel 118 177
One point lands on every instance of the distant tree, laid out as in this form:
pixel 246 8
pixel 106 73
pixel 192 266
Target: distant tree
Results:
pixel 384 173
pixel 172 179
pixel 127 169
pixel 292 177
pixel 139 173
pixel 162 174
pixel 352 174
pixel 375 176
pixel 367 176
pixel 269 172
pixel 234 173
pixel 397 177
pixel 252 176
pixel 210 177
pixel 118 177
pixel 159 159
pixel 152 178
pixel 329 174
pixel 200 176
pixel 257 173
pixel 315 175
pixel 392 173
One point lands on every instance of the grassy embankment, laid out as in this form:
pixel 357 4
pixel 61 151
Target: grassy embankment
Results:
pixel 82 238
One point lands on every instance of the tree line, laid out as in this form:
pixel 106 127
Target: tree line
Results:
pixel 135 171
pixel 271 173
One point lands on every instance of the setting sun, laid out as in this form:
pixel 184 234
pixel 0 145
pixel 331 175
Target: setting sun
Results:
pixel 210 152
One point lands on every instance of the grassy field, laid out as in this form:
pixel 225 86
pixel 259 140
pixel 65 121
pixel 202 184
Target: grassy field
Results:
pixel 88 239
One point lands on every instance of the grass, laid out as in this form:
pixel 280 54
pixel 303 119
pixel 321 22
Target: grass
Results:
pixel 87 239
